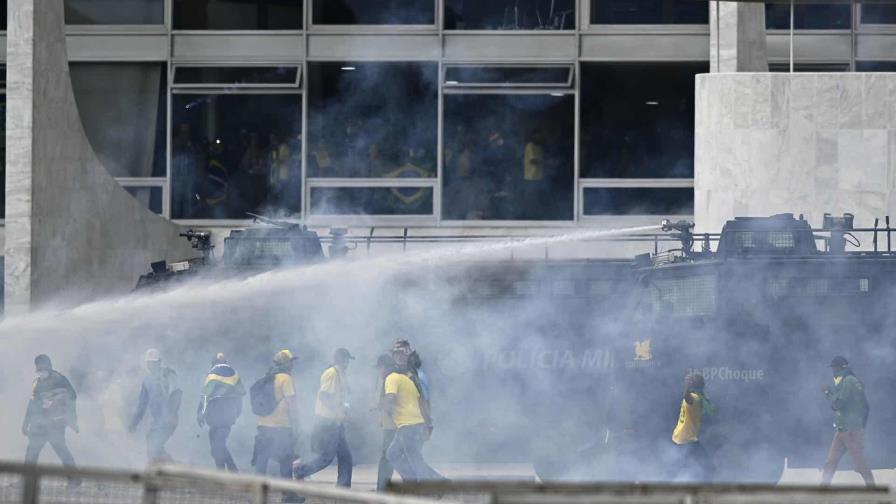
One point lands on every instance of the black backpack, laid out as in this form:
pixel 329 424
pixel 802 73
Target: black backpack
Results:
pixel 261 395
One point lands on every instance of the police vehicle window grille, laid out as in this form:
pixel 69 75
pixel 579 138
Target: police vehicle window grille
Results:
pixel 565 288
pixel 764 240
pixel 688 296
pixel 777 288
pixel 525 288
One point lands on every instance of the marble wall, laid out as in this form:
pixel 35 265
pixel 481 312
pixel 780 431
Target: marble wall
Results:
pixel 72 233
pixel 737 38
pixel 801 143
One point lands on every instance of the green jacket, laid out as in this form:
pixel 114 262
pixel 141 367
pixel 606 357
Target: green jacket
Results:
pixel 849 404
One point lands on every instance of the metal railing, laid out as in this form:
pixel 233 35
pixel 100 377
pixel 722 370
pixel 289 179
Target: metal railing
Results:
pixel 38 484
pixel 494 492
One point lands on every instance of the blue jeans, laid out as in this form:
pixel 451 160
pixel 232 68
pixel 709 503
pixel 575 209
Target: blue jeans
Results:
pixel 329 436
pixel 406 454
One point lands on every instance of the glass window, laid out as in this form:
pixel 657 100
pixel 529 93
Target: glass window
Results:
pixel 807 16
pixel 122 107
pixel 114 12
pixel 876 66
pixel 235 153
pixel 372 119
pixel 366 12
pixel 3 150
pixel 638 201
pixel 237 14
pixel 371 201
pixel 809 67
pixel 638 119
pixel 508 76
pixel 649 12
pixel 151 197
pixel 878 13
pixel 510 15
pixel 508 157
pixel 2 21
pixel 237 76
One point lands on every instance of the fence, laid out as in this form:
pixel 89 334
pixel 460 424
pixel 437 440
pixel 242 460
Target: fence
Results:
pixel 619 493
pixel 30 484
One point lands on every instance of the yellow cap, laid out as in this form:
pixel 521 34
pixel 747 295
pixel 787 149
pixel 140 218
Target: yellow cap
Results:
pixel 284 356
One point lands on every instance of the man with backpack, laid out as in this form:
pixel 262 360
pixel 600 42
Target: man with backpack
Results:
pixel 50 411
pixel 850 417
pixel 220 405
pixel 273 399
pixel 161 395
pixel 331 411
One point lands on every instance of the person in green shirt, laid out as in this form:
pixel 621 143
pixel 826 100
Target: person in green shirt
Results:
pixel 850 406
pixel 50 411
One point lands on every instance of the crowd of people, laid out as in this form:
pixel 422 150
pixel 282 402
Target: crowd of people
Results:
pixel 402 404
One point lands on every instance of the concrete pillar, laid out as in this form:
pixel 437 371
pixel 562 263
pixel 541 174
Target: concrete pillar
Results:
pixel 737 37
pixel 72 233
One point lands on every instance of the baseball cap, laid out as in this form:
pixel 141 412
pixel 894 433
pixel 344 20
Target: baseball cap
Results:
pixel 284 356
pixel 343 353
pixel 152 355
pixel 839 361
pixel 402 346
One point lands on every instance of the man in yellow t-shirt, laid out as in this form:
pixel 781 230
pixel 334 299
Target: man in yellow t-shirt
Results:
pixel 686 435
pixel 276 436
pixel 330 413
pixel 402 401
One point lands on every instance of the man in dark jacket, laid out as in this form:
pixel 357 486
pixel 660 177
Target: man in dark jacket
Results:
pixel 850 407
pixel 161 396
pixel 219 407
pixel 50 410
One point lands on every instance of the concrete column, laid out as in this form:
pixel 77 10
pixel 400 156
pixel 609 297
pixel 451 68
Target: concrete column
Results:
pixel 72 233
pixel 737 37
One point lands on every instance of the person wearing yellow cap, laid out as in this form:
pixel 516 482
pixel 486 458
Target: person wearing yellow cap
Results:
pixel 161 396
pixel 273 399
pixel 220 405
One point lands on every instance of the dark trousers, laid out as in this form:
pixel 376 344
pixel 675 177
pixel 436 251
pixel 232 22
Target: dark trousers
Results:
pixel 696 464
pixel 274 443
pixel 385 469
pixel 329 439
pixel 156 437
pixel 55 435
pixel 217 440
pixel 405 453
pixel 852 441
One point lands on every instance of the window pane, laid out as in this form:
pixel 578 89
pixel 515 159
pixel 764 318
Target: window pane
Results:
pixel 118 12
pixel 286 75
pixel 649 12
pixel 371 201
pixel 638 201
pixel 878 13
pixel 508 157
pixel 235 153
pixel 809 67
pixel 151 197
pixel 3 152
pixel 372 119
pixel 807 16
pixel 367 12
pixel 510 15
pixel 638 119
pixel 876 66
pixel 123 109
pixel 508 75
pixel 237 14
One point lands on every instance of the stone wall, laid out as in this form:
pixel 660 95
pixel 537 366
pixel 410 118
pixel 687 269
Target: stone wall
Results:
pixel 72 233
pixel 801 143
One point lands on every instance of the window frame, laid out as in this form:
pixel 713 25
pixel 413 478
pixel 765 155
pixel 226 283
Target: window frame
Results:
pixel 628 183
pixel 297 84
pixel 450 86
pixel 311 24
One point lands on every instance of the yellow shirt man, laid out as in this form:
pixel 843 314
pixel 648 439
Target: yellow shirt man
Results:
pixel 283 388
pixel 533 161
pixel 407 404
pixel 689 419
pixel 330 383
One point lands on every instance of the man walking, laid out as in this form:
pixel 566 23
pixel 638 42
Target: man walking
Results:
pixel 851 410
pixel 50 411
pixel 385 365
pixel 403 402
pixel 277 423
pixel 331 411
pixel 219 407
pixel 694 405
pixel 161 395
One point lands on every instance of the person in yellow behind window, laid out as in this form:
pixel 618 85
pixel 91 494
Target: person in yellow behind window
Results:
pixel 330 413
pixel 695 461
